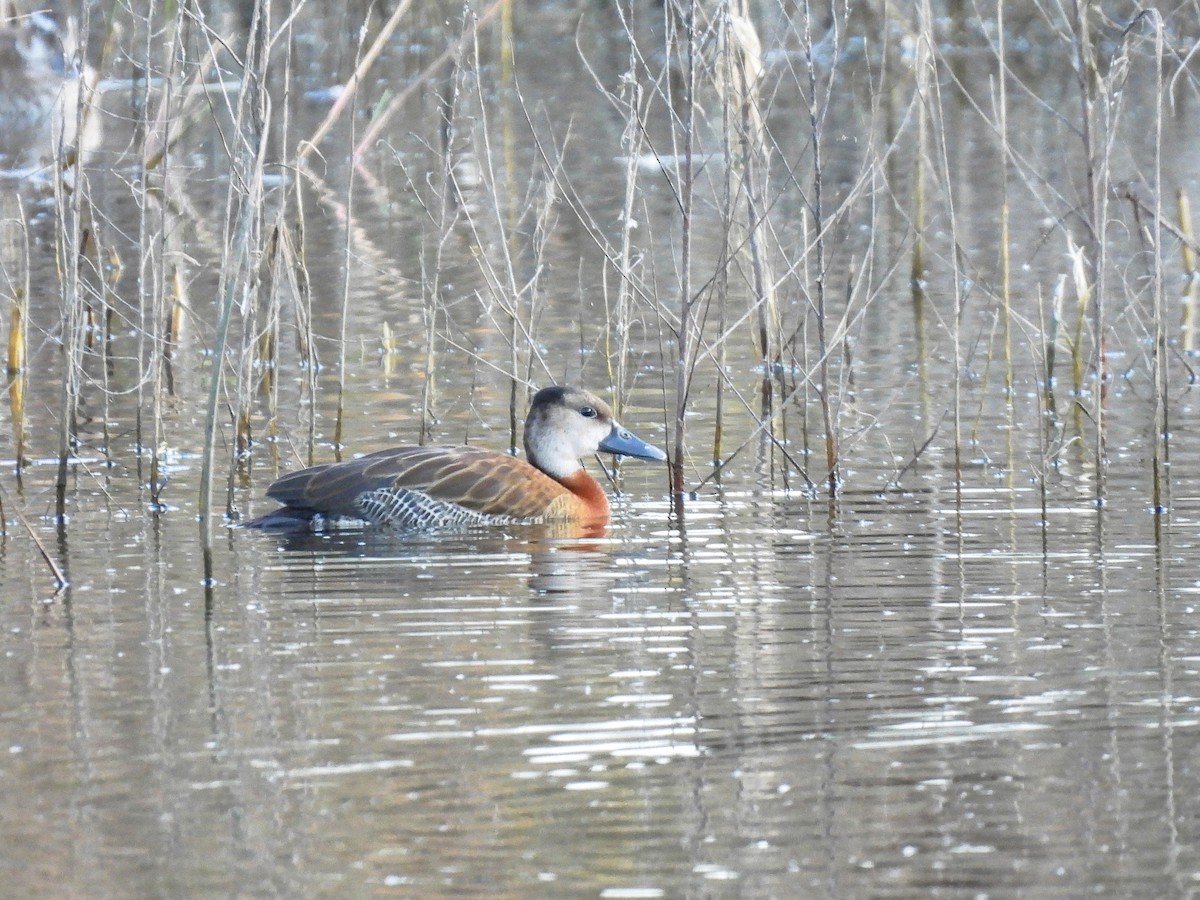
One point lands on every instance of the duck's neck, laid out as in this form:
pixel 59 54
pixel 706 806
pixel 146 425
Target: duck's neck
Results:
pixel 590 495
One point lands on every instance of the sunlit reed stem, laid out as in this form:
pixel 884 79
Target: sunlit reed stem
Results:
pixel 1191 291
pixel 18 330
pixel 17 344
pixel 1050 339
pixel 1185 227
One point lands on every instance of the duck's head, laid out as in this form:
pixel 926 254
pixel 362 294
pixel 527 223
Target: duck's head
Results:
pixel 567 423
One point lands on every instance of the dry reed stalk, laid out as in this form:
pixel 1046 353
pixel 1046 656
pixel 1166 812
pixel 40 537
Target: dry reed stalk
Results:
pixel 295 268
pixel 100 328
pixel 73 319
pixel 348 250
pixel 633 141
pixel 744 72
pixel 509 223
pixel 261 331
pixel 243 222
pixel 932 96
pixel 1005 249
pixel 1161 454
pixel 739 74
pixel 816 120
pixel 161 304
pixel 686 335
pixel 1093 250
pixel 431 275
pixel 1045 390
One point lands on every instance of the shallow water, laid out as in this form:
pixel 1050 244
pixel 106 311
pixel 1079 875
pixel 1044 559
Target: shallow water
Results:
pixel 918 701
pixel 917 691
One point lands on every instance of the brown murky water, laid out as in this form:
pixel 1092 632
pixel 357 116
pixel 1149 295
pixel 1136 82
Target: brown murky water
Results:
pixel 921 691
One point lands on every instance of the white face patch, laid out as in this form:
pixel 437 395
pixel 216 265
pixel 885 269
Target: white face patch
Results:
pixel 560 433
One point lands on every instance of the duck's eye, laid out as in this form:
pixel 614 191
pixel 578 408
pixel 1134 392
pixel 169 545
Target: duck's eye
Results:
pixel 587 412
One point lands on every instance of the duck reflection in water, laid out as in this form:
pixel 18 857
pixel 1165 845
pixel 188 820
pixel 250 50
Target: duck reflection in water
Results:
pixel 41 88
pixel 458 487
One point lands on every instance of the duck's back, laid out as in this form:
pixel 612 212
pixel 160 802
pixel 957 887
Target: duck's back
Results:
pixel 423 487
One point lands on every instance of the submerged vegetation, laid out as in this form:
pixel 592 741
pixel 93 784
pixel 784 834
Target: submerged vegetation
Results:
pixel 733 203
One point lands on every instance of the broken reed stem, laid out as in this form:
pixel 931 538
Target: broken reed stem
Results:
pixel 60 578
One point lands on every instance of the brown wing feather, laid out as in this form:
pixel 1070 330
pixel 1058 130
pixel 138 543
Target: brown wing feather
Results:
pixel 478 479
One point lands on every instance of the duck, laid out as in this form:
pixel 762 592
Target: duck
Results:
pixel 457 487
